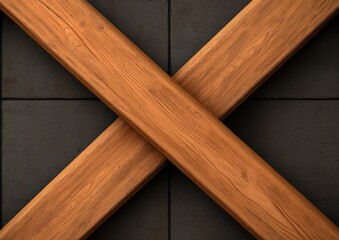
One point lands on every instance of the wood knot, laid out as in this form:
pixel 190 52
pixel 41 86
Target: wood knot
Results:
pixel 244 176
pixel 101 27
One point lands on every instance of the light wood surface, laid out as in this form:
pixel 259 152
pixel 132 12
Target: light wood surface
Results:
pixel 132 85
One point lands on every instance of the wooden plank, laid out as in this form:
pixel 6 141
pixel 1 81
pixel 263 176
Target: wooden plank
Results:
pixel 29 72
pixel 305 153
pixel 34 153
pixel 307 149
pixel 302 76
pixel 39 151
pixel 311 73
pixel 193 23
pixel 182 98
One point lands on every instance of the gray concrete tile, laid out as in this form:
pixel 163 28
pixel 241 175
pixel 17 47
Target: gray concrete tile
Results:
pixel 300 139
pixel 142 217
pixel 41 137
pixel 311 73
pixel 194 23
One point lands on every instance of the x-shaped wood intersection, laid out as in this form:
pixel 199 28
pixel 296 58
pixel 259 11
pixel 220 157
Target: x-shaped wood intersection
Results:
pixel 236 61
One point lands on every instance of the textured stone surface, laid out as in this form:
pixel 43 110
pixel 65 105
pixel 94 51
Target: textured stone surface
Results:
pixel 195 22
pixel 312 73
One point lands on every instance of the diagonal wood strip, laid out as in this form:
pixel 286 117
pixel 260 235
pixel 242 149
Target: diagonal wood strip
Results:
pixel 311 27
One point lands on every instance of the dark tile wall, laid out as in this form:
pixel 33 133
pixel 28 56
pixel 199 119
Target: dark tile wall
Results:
pixel 48 118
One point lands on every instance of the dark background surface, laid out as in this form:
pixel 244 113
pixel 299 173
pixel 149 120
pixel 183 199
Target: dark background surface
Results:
pixel 48 118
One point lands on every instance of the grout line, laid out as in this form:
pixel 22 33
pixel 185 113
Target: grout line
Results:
pixel 50 99
pixel 293 99
pixel 1 66
pixel 169 38
pixel 96 99
pixel 170 73
pixel 169 201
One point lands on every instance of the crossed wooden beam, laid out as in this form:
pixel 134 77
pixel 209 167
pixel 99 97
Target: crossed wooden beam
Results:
pixel 179 127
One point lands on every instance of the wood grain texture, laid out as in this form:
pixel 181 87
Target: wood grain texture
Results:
pixel 305 153
pixel 105 61
pixel 34 73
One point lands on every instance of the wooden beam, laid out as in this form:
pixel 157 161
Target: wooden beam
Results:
pixel 67 38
